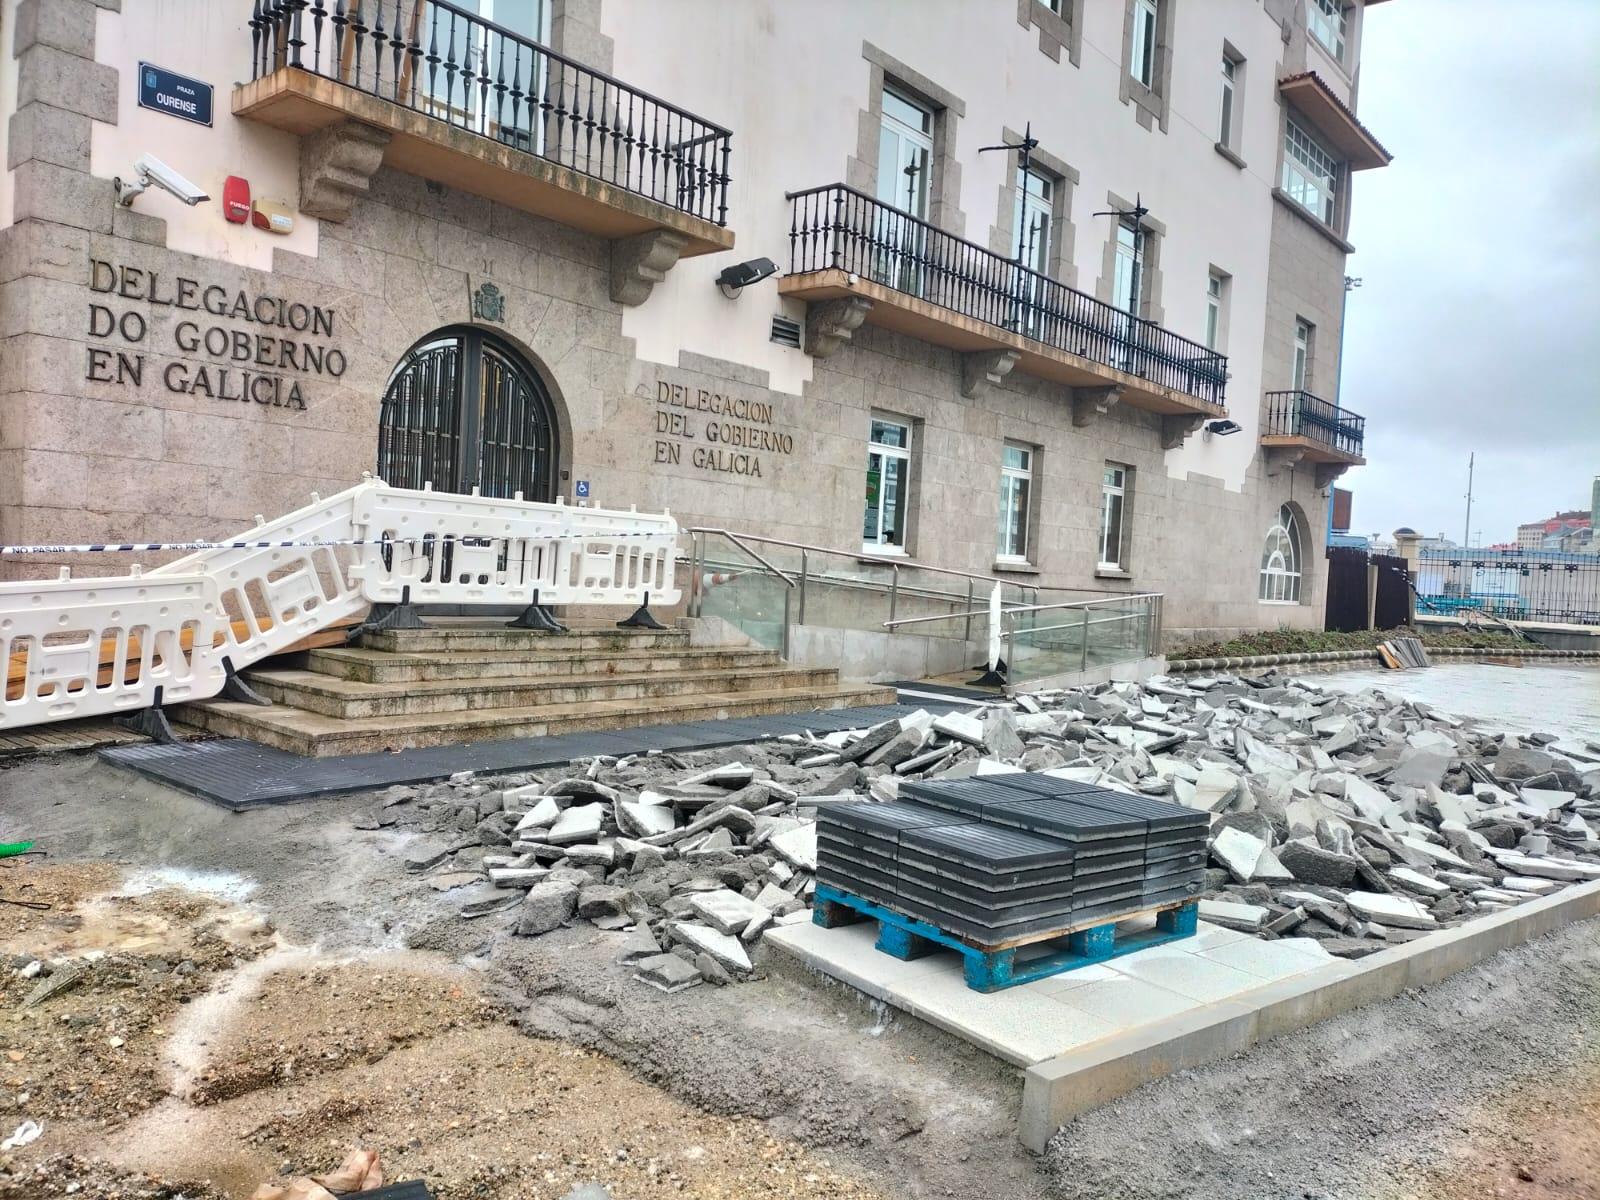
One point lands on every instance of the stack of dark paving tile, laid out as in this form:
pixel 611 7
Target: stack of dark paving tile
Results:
pixel 1010 855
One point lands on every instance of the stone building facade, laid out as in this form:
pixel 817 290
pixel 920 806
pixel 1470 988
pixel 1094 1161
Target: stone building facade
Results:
pixel 166 374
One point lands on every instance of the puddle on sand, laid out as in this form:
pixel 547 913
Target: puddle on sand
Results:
pixel 129 918
pixel 221 885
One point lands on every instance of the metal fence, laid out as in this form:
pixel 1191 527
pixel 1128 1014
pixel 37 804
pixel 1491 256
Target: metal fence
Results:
pixel 837 227
pixel 476 75
pixel 1518 585
pixel 1300 414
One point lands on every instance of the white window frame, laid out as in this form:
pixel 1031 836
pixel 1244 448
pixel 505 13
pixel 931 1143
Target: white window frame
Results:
pixel 1282 554
pixel 1127 294
pixel 1216 290
pixel 1113 483
pixel 905 135
pixel 467 109
pixel 1016 489
pixel 1226 117
pixel 1053 5
pixel 1142 54
pixel 1300 368
pixel 1033 204
pixel 1310 172
pixel 1329 22
pixel 902 454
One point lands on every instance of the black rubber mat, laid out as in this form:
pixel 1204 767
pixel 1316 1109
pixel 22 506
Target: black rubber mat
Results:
pixel 241 775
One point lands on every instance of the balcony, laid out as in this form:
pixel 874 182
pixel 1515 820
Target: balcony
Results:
pixel 431 89
pixel 857 260
pixel 1301 427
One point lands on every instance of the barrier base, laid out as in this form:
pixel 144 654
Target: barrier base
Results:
pixel 641 618
pixel 392 616
pixel 151 722
pixel 236 689
pixel 536 616
pixel 994 676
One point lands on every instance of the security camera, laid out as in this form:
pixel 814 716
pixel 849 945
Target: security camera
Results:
pixel 150 169
pixel 742 275
pixel 1223 427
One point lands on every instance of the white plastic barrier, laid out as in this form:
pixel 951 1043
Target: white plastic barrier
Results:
pixel 273 596
pixel 179 627
pixel 161 632
pixel 444 548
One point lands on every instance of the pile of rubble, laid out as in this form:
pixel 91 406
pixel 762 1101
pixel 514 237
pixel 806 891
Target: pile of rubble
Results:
pixel 1357 820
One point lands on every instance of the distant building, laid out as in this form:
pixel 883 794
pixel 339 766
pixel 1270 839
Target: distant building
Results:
pixel 1548 534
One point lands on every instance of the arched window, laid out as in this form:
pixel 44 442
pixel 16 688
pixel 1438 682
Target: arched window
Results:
pixel 1280 560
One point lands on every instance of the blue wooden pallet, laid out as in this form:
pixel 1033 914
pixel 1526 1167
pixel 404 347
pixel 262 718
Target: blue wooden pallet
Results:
pixel 994 968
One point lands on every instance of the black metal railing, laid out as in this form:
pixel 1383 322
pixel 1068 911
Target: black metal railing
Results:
pixel 835 226
pixel 1519 585
pixel 1300 414
pixel 435 58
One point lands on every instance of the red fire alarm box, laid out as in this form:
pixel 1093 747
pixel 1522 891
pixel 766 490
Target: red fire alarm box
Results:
pixel 236 200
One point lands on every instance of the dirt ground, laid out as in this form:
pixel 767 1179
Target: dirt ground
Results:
pixel 281 989
pixel 195 1047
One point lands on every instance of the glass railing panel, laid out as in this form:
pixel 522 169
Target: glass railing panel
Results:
pixel 742 592
pixel 1071 639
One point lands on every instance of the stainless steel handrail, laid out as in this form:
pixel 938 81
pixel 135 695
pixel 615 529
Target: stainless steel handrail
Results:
pixel 1027 608
pixel 897 562
pixel 734 538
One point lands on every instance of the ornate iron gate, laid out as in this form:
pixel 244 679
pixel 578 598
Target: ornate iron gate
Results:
pixel 463 409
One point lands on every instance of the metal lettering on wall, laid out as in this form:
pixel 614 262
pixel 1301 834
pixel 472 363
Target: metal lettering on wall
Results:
pixel 246 367
pixel 724 433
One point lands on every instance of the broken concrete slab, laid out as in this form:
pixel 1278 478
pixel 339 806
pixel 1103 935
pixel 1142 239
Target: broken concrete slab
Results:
pixel 580 823
pixel 1389 909
pixel 667 972
pixel 726 949
pixel 727 911
pixel 548 906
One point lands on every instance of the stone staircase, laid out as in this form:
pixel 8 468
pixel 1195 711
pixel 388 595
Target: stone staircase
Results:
pixel 460 681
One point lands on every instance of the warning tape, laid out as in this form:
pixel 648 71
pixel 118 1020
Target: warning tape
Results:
pixel 462 539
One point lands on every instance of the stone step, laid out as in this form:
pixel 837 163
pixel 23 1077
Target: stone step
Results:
pixel 316 735
pixel 377 666
pixel 352 700
pixel 484 637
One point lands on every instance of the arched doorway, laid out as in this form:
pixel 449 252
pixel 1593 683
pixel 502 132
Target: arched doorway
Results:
pixel 464 409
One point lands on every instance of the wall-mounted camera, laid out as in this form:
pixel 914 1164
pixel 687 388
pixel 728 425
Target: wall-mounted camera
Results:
pixel 151 170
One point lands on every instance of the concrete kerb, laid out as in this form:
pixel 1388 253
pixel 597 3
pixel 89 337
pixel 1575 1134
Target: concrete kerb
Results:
pixel 1061 1088
pixel 1191 666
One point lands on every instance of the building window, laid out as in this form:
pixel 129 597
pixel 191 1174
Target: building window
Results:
pixel 888 485
pixel 1142 60
pixel 1280 561
pixel 1230 70
pixel 1129 262
pixel 1216 286
pixel 1327 21
pixel 1016 491
pixel 1113 515
pixel 1053 5
pixel 1032 216
pixel 905 148
pixel 1309 173
pixel 1303 333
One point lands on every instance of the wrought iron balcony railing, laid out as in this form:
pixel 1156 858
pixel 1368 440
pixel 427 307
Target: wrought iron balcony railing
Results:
pixel 1300 414
pixel 837 227
pixel 435 58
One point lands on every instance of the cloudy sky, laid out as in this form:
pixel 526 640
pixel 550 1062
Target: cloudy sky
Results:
pixel 1477 325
